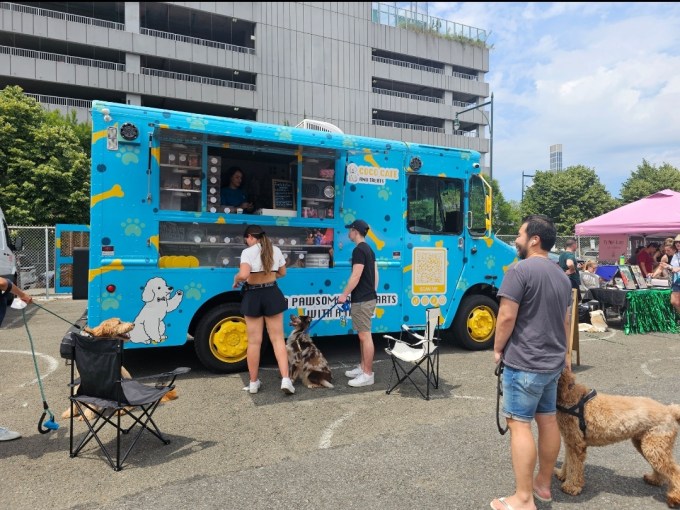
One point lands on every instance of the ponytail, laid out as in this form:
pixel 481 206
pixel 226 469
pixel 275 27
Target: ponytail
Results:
pixel 266 249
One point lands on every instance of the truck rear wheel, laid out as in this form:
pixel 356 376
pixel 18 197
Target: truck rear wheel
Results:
pixel 475 323
pixel 221 342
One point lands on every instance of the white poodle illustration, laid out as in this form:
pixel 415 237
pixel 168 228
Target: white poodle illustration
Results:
pixel 149 325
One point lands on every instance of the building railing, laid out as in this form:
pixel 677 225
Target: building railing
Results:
pixel 195 40
pixel 403 63
pixel 462 104
pixel 60 101
pixel 393 16
pixel 197 79
pixel 57 57
pixel 465 76
pixel 37 11
pixel 404 125
pixel 406 95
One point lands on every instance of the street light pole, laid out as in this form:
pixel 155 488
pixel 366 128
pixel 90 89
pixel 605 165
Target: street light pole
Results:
pixel 456 125
pixel 523 176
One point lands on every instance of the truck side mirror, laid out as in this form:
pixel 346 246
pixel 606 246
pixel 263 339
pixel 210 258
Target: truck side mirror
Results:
pixel 18 244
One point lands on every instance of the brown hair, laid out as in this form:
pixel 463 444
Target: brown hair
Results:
pixel 266 250
pixel 589 264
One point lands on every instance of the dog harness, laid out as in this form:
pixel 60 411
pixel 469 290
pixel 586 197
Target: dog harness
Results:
pixel 578 410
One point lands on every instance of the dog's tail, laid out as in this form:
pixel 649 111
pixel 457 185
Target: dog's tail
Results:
pixel 675 409
pixel 326 383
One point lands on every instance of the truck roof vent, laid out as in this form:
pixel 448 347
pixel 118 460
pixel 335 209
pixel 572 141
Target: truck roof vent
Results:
pixel 319 125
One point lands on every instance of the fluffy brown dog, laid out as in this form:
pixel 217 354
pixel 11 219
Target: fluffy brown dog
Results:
pixel 305 358
pixel 650 425
pixel 112 328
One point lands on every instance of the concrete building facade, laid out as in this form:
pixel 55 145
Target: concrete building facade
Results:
pixel 370 68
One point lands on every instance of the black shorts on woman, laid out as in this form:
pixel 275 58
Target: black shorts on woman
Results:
pixel 263 301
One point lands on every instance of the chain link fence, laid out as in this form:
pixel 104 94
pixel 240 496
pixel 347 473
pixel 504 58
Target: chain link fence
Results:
pixel 36 260
pixel 588 245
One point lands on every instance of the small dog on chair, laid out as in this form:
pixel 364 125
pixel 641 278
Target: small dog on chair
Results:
pixel 586 418
pixel 112 328
pixel 305 358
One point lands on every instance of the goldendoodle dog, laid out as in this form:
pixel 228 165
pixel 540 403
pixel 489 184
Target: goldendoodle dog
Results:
pixel 608 419
pixel 112 328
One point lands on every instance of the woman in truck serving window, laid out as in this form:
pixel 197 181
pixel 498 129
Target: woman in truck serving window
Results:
pixel 232 195
pixel 263 303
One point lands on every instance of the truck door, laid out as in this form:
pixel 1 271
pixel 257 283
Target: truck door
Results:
pixel 434 242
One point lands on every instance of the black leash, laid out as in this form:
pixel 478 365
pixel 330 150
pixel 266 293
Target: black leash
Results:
pixel 498 372
pixel 58 316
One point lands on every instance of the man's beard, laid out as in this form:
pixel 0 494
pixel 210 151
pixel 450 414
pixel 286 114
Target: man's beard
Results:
pixel 522 252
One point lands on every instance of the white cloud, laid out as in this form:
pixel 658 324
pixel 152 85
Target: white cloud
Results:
pixel 600 78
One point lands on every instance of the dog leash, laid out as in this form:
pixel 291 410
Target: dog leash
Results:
pixel 344 307
pixel 44 426
pixel 498 372
pixel 79 328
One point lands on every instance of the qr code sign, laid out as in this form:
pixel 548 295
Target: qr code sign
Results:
pixel 429 270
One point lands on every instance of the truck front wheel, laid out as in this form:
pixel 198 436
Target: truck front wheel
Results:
pixel 475 323
pixel 221 342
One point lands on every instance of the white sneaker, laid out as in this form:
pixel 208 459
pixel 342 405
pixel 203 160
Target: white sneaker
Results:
pixel 287 386
pixel 253 387
pixel 355 372
pixel 8 435
pixel 362 380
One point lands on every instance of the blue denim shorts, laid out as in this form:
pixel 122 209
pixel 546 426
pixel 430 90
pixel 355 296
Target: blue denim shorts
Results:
pixel 675 287
pixel 526 394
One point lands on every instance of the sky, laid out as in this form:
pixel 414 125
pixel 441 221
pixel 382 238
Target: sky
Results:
pixel 602 79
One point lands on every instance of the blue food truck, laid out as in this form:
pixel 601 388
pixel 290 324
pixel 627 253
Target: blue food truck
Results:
pixel 164 247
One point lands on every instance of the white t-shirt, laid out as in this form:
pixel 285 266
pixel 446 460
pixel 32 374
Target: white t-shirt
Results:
pixel 251 256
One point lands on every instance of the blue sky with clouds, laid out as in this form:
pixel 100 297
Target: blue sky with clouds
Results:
pixel 602 79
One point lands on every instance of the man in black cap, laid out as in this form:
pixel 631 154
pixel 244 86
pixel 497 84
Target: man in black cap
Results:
pixel 362 284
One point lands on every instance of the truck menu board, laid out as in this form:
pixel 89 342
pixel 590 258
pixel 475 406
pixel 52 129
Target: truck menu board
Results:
pixel 283 192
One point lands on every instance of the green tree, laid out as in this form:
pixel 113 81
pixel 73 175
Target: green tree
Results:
pixel 648 179
pixel 568 197
pixel 44 170
pixel 505 215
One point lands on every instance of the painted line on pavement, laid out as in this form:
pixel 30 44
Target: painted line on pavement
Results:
pixel 646 370
pixel 327 436
pixel 52 364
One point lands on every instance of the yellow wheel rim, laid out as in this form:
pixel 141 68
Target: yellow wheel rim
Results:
pixel 228 340
pixel 481 323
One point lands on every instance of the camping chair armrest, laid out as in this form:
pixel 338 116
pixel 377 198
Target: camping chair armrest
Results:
pixel 408 330
pixel 404 341
pixel 174 373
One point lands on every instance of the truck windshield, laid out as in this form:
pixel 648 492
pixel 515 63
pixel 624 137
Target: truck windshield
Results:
pixel 434 205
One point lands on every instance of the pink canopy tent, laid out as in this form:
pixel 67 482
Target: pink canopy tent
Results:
pixel 656 214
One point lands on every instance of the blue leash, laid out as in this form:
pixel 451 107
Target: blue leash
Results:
pixel 44 426
pixel 344 307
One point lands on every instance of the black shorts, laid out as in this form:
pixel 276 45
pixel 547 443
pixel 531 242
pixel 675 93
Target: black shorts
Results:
pixel 263 302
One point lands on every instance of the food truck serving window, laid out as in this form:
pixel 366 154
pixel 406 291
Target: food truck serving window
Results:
pixel 220 174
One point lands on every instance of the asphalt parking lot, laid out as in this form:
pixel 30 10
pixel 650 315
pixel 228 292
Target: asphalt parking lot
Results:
pixel 323 448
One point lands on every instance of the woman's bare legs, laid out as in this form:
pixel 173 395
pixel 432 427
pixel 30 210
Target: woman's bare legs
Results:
pixel 254 330
pixel 275 331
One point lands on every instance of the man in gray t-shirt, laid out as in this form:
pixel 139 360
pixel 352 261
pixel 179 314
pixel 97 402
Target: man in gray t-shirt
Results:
pixel 531 339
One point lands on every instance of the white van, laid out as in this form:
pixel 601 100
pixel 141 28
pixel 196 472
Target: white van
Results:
pixel 8 260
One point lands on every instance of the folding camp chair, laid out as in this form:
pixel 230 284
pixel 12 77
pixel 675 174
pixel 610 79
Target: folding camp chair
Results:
pixel 101 390
pixel 423 351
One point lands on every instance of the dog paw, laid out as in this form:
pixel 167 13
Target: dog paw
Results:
pixel 653 479
pixel 560 474
pixel 571 489
pixel 673 501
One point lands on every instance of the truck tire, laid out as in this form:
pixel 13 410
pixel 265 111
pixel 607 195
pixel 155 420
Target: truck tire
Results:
pixel 220 341
pixel 475 323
